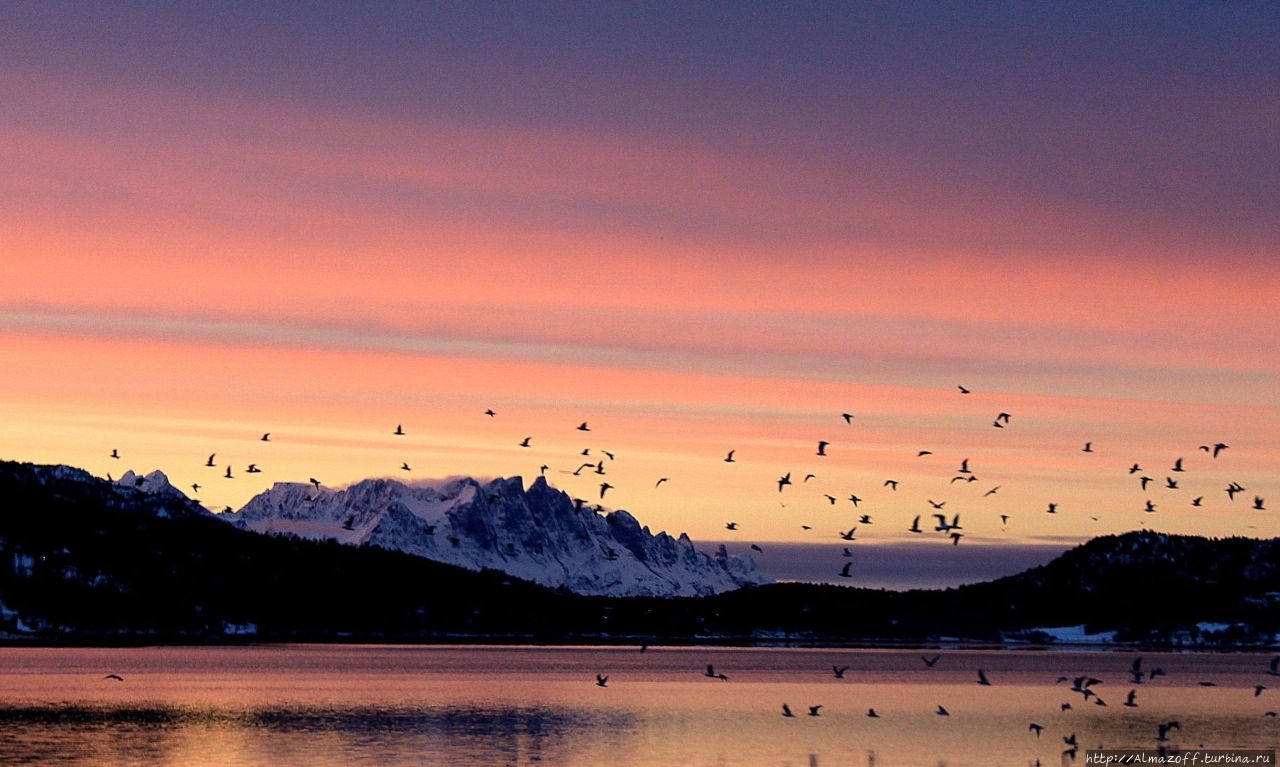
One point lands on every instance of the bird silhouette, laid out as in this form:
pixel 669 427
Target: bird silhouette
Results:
pixel 115 453
pixel 1257 503
pixel 228 474
pixel 583 426
pixel 1052 509
pixel 601 681
pixel 114 677
pixel 195 487
pixel 660 481
pixel 848 417
pixel 405 466
pixel 962 389
pixel 848 535
pixel 266 437
pixel 1177 465
pixel 1171 483
pixel 813 710
pixel 936 504
pixel 982 678
pixel 838 671
pixel 892 484
pixel 855 500
pixel 729 458
pixel 931 662
pixel 399 432
pixel 786 711
pixel 992 491
pixel 1131 699
pixel 783 481
pixel 822 447
pixel 490 413
pixel 1197 501
pixel 942 711
pixel 730 525
pixel 604 487
pixel 210 461
pixel 711 672
pixel 915 525
pixel 871 712
pixel 1036 728
pixel 1088 448
pixel 1150 507
pixel 1134 469
pixel 964 467
pixel 315 482
pixel 1145 480
pixel 525 442
pixel 844 572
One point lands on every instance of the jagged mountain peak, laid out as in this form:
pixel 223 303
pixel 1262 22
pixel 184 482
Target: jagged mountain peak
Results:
pixel 538 533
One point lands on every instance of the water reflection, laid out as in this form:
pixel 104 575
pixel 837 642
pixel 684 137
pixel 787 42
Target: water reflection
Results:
pixel 330 706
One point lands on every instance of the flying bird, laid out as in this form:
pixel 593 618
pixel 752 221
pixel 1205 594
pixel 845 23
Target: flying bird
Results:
pixel 405 466
pixel 195 487
pixel 583 426
pixel 604 487
pixel 942 711
pixel 982 678
pixel 923 453
pixel 730 525
pixel 844 572
pixel 266 437
pixel 848 536
pixel 210 461
pixel 711 672
pixel 114 677
pixel 1257 503
pixel 729 458
pixel 992 491
pixel 964 467
pixel 1177 465
pixel 490 413
pixel 601 681
pixel 848 417
pixel 962 389
pixel 915 525
pixel 838 671
pixel 1088 448
pixel 871 712
pixel 1131 698
pixel 786 711
pixel 931 662
pixel 1036 728
pixel 822 447
pixel 813 710
pixel 115 453
pixel 399 432
pixel 660 481
pixel 253 469
pixel 525 442
pixel 892 484
pixel 855 500
pixel 228 474
pixel 783 481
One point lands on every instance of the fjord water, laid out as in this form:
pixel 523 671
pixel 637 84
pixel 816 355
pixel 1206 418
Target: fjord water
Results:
pixel 465 705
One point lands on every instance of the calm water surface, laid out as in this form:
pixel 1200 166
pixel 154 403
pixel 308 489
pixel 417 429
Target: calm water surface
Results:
pixel 344 705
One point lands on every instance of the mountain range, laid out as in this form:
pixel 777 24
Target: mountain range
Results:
pixel 539 534
pixel 87 560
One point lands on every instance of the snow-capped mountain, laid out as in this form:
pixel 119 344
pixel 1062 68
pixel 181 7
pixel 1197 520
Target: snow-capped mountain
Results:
pixel 537 534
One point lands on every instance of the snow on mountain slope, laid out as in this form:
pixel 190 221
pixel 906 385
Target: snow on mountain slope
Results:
pixel 536 534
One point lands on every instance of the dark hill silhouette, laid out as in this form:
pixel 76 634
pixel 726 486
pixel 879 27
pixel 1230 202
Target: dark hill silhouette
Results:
pixel 86 560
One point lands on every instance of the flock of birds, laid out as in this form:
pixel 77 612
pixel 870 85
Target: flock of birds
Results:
pixel 934 517
pixel 1084 685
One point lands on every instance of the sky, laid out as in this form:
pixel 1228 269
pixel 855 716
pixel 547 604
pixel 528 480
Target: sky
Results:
pixel 697 227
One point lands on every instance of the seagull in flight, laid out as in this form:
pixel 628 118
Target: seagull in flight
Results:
pixel 962 389
pixel 660 481
pixel 730 525
pixel 115 453
pixel 1088 448
pixel 711 673
pixel 783 481
pixel 583 426
pixel 525 442
pixel 399 432
pixel 228 474
pixel 210 461
pixel 1257 503
pixel 253 469
pixel 604 487
pixel 729 458
pixel 1177 465
pixel 844 572
pixel 602 681
pixel 405 466
pixel 848 417
pixel 822 447
pixel 982 678
pixel 266 437
pixel 786 711
pixel 892 484
pixel 813 710
pixel 915 525
pixel 489 412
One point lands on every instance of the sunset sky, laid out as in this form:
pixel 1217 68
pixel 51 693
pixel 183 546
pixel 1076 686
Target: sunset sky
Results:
pixel 697 227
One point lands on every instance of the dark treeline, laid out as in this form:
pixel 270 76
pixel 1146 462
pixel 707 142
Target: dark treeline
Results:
pixel 83 560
